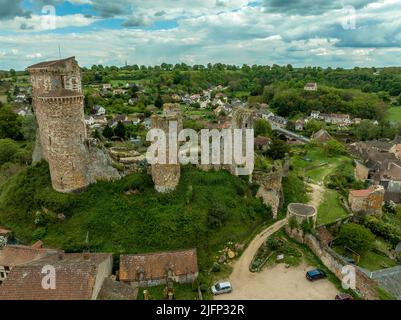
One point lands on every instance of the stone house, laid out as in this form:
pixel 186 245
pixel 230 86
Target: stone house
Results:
pixel 315 115
pixel 79 276
pixel 106 86
pixel 99 110
pixel 299 125
pixel 89 120
pixel 153 269
pixel 311 86
pixel 368 201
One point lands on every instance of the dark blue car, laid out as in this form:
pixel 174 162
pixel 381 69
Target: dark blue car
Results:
pixel 315 274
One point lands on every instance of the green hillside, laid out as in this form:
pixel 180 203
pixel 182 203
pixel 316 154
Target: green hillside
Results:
pixel 128 216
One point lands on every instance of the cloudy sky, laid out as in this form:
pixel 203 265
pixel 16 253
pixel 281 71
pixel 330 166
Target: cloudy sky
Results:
pixel 337 33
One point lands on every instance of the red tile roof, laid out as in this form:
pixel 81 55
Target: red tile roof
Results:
pixel 14 255
pixel 4 232
pixel 75 278
pixel 155 265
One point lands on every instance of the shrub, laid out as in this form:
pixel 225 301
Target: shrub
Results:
pixel 356 237
pixel 389 232
pixel 39 233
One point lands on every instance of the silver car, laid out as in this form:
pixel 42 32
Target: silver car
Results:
pixel 222 287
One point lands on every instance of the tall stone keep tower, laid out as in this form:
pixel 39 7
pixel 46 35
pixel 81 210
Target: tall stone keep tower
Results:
pixel 59 107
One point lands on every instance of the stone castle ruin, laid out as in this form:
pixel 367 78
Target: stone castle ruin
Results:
pixel 75 161
pixel 166 177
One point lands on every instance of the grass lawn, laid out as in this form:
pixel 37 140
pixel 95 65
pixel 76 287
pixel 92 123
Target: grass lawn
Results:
pixel 375 261
pixel 3 98
pixel 319 165
pixel 181 292
pixel 394 114
pixel 330 209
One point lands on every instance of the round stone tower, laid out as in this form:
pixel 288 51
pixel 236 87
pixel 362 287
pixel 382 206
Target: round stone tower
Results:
pixel 59 108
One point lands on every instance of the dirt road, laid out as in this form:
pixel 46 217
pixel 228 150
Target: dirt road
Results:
pixel 316 195
pixel 274 283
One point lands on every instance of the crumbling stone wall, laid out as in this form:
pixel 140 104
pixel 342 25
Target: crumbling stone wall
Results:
pixel 361 172
pixel 166 177
pixel 365 286
pixel 270 190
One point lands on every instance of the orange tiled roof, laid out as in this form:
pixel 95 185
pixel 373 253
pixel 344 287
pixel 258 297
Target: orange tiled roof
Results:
pixel 14 255
pixel 75 278
pixel 155 265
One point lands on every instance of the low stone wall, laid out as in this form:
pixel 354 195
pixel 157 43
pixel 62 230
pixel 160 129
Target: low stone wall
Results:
pixel 365 286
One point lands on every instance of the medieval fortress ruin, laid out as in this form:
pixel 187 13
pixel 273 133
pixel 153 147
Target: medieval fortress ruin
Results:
pixel 74 160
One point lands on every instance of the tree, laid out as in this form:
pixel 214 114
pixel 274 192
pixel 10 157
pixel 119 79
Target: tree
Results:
pixel 313 126
pixel 263 128
pixel 8 149
pixel 366 130
pixel 10 124
pixel 159 102
pixel 356 237
pixel 28 128
pixel 108 132
pixel 278 149
pixel 334 148
pixel 120 130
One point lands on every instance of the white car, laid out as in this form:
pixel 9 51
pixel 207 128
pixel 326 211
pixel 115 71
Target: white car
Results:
pixel 222 287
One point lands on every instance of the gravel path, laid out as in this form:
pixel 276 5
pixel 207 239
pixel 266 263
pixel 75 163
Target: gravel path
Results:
pixel 274 283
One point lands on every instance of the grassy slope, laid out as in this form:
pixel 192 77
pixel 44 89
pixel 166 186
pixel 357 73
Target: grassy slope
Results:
pixel 394 114
pixel 330 208
pixel 142 222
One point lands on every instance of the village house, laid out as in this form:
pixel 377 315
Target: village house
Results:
pixel 118 118
pixel 98 110
pixel 153 269
pixel 368 201
pixel 147 123
pixel 107 86
pixel 20 98
pixel 119 92
pixel 377 158
pixel 311 86
pixel 100 121
pixel 299 125
pixel 79 276
pixel 14 255
pixel 396 150
pixel 315 115
pixel 89 120
pixel 23 112
pixel 339 119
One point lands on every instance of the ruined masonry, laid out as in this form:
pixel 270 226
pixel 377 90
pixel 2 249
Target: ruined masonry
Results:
pixel 166 177
pixel 74 160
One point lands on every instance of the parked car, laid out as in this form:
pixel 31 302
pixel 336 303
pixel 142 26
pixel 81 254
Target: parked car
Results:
pixel 344 296
pixel 222 287
pixel 315 274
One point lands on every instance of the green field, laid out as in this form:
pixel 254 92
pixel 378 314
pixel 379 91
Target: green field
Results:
pixel 330 209
pixel 3 98
pixel 394 114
